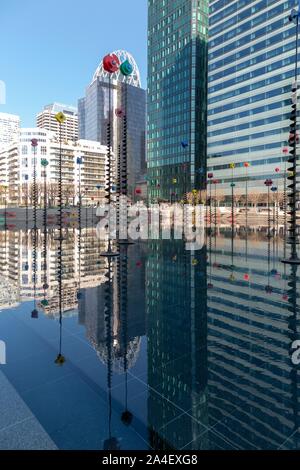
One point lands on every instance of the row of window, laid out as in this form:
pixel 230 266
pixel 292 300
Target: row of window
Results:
pixel 252 86
pixel 261 71
pixel 43 150
pixel 230 94
pixel 257 148
pixel 245 138
pixel 249 125
pixel 249 178
pixel 240 16
pixel 232 8
pixel 251 99
pixel 267 161
pixel 246 113
pixel 262 45
pixel 244 40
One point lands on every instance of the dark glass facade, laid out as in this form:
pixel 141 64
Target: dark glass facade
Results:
pixel 93 112
pixel 177 67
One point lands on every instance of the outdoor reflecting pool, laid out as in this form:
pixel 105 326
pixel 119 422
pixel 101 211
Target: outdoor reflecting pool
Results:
pixel 159 348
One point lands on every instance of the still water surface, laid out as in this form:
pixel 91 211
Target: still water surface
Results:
pixel 164 348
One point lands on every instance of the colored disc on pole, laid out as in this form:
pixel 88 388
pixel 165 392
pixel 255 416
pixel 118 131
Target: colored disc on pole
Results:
pixel 60 117
pixel 111 63
pixel 126 68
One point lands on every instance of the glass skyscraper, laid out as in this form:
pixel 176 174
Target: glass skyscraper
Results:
pixel 93 114
pixel 250 72
pixel 177 69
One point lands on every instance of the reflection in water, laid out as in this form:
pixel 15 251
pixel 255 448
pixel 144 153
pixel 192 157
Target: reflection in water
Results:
pixel 165 348
pixel 253 392
pixel 177 350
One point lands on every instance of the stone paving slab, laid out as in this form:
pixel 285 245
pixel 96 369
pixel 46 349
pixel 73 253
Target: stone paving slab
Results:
pixel 19 429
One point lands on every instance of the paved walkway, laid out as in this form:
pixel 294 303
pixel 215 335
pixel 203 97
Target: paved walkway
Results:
pixel 19 429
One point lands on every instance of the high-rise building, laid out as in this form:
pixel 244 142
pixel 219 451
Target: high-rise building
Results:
pixel 251 62
pixel 177 68
pixel 93 110
pixel 9 128
pixel 46 120
pixel 17 166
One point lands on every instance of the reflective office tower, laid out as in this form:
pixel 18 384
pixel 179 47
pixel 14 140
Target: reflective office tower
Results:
pixel 177 58
pixel 46 120
pixel 9 129
pixel 177 349
pixel 251 63
pixel 128 95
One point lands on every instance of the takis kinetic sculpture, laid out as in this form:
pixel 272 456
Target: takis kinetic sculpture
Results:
pixel 111 64
pixel 34 144
pixel 210 177
pixel 292 160
pixel 126 416
pixel 60 117
pixel 126 69
pixel 268 183
pixel 79 163
pixel 44 164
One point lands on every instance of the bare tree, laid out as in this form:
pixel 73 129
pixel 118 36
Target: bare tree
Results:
pixel 68 191
pixel 253 197
pixel 52 190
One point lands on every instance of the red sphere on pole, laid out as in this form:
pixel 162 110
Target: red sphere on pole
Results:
pixel 111 63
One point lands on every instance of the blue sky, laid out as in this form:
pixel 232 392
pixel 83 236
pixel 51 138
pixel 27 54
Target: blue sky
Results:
pixel 49 49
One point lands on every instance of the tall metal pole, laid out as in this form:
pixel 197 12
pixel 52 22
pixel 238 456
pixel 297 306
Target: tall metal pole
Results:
pixel 232 166
pixel 60 117
pixel 34 313
pixel 111 65
pixel 293 236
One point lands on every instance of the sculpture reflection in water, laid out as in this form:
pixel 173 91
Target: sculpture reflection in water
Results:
pixel 114 318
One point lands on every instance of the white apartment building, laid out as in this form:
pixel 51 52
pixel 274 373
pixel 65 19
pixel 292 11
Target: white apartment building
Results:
pixel 9 129
pixel 18 162
pixel 46 120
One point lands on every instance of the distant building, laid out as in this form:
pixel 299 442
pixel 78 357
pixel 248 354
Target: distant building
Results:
pixel 46 120
pixel 9 129
pixel 93 112
pixel 17 167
